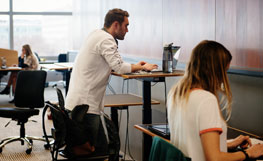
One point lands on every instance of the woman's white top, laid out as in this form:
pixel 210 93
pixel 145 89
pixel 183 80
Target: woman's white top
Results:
pixel 189 121
pixel 92 68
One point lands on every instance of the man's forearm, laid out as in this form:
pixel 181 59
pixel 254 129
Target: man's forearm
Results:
pixel 136 67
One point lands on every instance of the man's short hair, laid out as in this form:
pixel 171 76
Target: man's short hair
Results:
pixel 113 15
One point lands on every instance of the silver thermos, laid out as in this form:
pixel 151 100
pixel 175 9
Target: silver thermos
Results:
pixel 169 60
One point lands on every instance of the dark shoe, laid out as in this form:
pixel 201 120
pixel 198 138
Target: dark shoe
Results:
pixel 12 101
pixel 64 154
pixel 6 90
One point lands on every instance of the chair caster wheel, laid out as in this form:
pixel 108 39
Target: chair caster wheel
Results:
pixel 28 151
pixel 31 141
pixel 1 149
pixel 46 146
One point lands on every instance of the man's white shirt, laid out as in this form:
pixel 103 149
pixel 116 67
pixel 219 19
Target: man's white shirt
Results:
pixel 92 68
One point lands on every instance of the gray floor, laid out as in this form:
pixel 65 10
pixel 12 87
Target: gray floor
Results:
pixel 15 151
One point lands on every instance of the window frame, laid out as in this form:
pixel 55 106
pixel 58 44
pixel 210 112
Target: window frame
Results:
pixel 11 13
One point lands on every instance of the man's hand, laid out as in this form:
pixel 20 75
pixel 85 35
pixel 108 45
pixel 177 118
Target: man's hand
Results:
pixel 149 67
pixel 141 63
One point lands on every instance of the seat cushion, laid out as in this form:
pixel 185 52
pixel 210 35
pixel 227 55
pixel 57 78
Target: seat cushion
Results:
pixel 17 113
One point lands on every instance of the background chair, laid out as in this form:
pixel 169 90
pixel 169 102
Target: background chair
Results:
pixel 162 150
pixel 29 95
pixel 61 59
pixel 38 58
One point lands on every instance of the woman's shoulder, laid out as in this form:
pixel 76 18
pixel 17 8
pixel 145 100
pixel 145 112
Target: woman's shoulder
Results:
pixel 202 100
pixel 202 94
pixel 29 57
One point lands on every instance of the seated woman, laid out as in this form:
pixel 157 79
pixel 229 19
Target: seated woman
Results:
pixel 197 125
pixel 28 61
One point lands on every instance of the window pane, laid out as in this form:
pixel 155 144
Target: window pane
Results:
pixel 42 5
pixel 4 5
pixel 47 35
pixel 4 31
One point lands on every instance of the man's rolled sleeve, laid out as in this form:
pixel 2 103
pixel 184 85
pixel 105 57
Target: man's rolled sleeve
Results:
pixel 125 68
pixel 110 53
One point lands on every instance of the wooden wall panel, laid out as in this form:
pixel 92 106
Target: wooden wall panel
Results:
pixel 237 24
pixel 11 57
pixel 239 27
pixel 187 22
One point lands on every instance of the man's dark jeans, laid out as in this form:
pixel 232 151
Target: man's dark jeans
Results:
pixel 95 132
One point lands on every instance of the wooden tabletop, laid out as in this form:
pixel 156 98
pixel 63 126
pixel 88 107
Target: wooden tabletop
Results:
pixel 11 69
pixel 52 67
pixel 118 100
pixel 68 65
pixel 57 66
pixel 232 132
pixel 150 74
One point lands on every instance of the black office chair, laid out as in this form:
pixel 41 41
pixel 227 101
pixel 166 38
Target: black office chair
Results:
pixel 29 95
pixel 61 59
pixel 38 58
pixel 64 132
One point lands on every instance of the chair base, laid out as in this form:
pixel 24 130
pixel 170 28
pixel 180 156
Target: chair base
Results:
pixel 27 139
pixel 81 158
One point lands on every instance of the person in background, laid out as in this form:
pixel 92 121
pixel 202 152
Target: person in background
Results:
pixel 29 61
pixel 196 122
pixel 97 58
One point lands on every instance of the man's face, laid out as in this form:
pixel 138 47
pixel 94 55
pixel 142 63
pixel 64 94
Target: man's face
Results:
pixel 122 29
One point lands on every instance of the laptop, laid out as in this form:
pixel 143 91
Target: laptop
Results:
pixel 161 130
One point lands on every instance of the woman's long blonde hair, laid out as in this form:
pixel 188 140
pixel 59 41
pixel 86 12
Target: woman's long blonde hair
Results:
pixel 207 69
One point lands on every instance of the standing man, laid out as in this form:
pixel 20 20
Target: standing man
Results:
pixel 97 58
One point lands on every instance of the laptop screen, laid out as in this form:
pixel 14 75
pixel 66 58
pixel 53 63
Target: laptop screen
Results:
pixel 161 130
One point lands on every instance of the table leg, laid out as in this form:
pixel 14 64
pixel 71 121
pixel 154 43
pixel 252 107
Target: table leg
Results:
pixel 114 117
pixel 68 73
pixel 146 118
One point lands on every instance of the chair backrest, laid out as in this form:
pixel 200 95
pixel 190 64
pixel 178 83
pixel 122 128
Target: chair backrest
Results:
pixel 38 58
pixel 59 117
pixel 61 101
pixel 162 150
pixel 71 55
pixel 68 130
pixel 62 58
pixel 29 90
